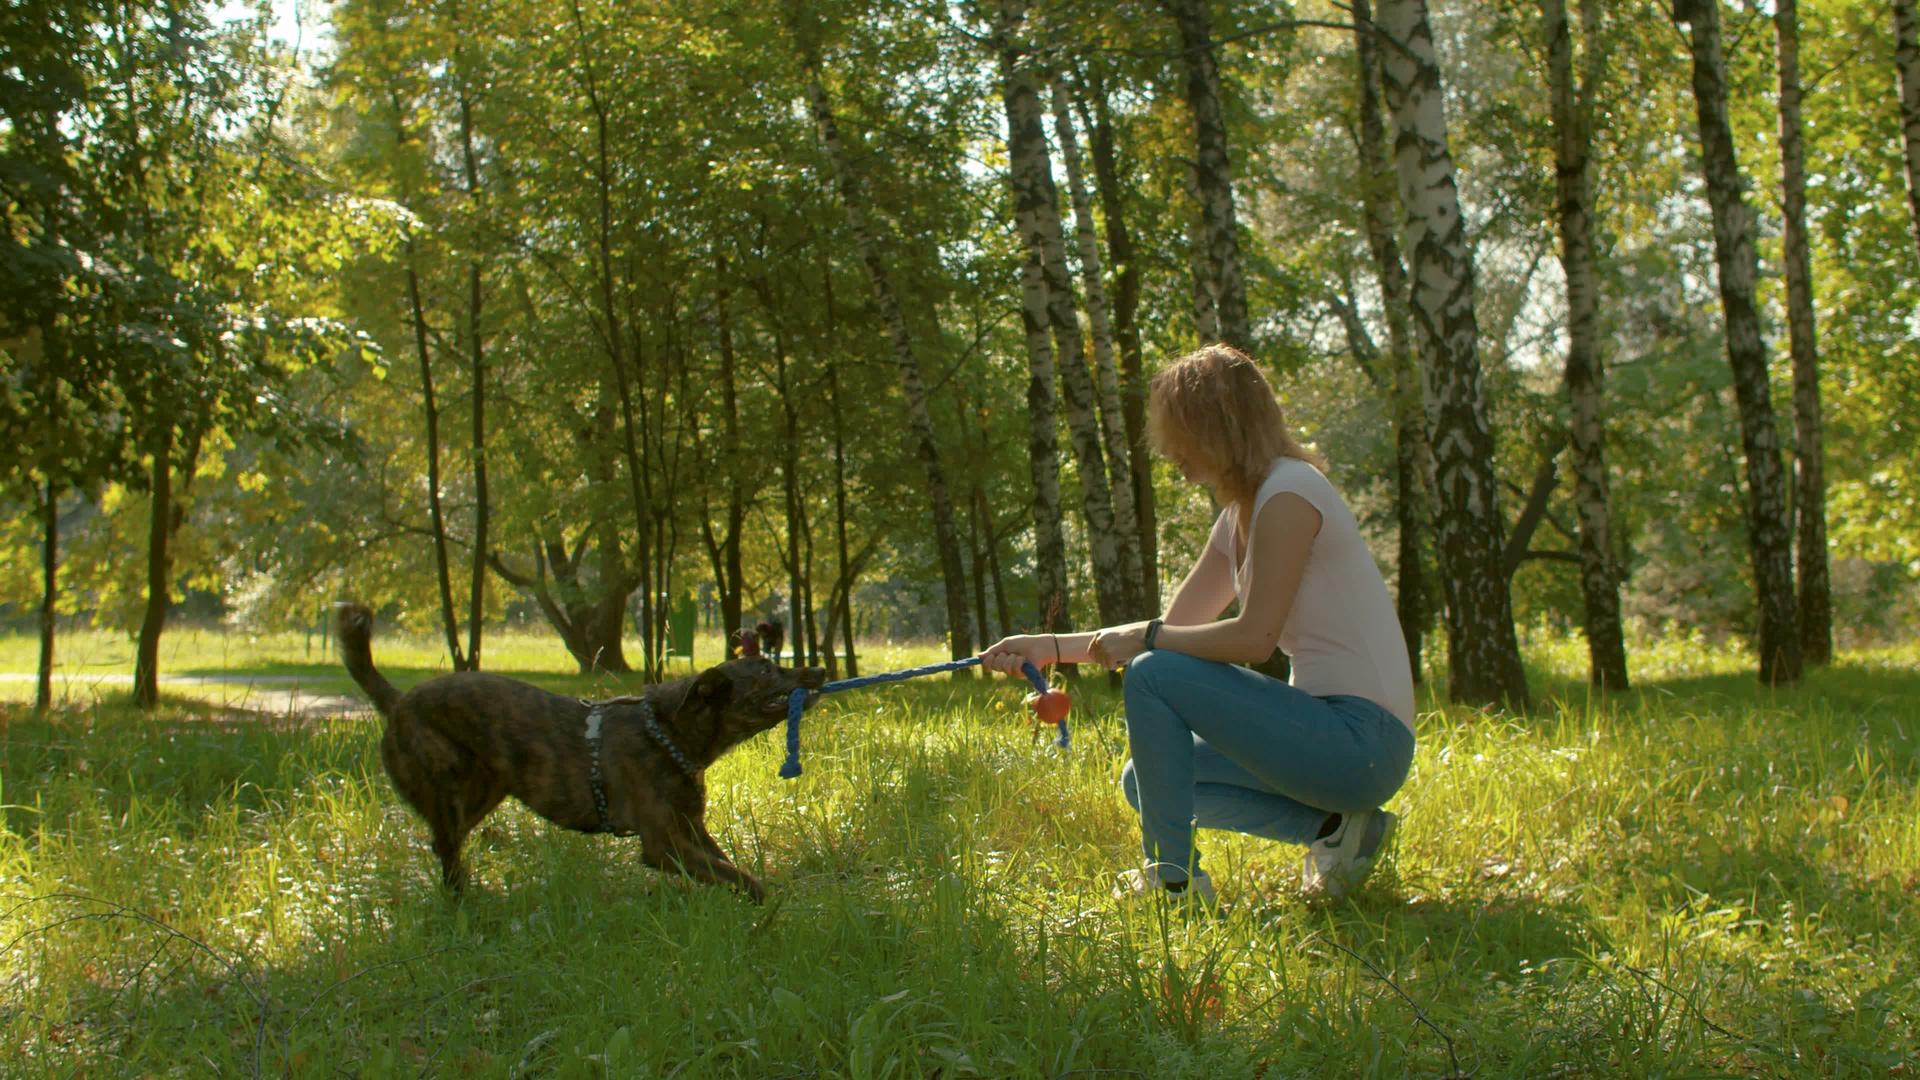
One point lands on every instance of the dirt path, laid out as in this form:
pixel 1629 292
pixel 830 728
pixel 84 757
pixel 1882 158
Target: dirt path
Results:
pixel 269 695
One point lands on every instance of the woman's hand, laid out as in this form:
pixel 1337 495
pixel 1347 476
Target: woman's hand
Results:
pixel 1007 654
pixel 1115 645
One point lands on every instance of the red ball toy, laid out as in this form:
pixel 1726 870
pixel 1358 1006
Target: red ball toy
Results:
pixel 1050 707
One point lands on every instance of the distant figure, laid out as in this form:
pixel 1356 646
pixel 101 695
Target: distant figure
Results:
pixel 772 634
pixel 742 643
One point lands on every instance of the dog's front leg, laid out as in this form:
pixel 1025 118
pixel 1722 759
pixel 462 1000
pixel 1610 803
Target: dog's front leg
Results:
pixel 703 862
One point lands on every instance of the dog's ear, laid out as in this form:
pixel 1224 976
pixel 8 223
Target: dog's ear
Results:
pixel 713 686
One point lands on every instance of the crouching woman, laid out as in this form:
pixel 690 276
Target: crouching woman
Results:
pixel 1219 746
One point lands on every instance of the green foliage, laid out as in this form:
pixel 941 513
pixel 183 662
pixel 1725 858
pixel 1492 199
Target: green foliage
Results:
pixel 1696 878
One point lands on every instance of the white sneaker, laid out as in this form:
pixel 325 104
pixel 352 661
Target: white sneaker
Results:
pixel 1336 864
pixel 1146 881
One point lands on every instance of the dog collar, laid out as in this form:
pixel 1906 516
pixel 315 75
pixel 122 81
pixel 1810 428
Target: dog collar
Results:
pixel 596 716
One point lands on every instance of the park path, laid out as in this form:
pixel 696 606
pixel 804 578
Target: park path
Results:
pixel 268 695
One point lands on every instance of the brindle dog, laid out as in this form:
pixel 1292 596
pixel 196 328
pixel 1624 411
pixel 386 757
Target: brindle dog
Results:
pixel 457 744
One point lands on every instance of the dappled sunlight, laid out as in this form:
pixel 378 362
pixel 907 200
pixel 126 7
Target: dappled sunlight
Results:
pixel 1699 876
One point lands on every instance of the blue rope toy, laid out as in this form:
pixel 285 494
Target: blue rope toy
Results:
pixel 797 701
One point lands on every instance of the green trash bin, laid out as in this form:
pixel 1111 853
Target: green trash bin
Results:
pixel 681 620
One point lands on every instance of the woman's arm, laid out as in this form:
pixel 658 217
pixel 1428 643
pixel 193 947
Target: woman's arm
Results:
pixel 1201 597
pixel 1205 593
pixel 1283 536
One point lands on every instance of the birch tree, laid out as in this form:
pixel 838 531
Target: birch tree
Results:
pixel 1111 532
pixel 1144 595
pixel 1213 175
pixel 1482 650
pixel 1906 62
pixel 1098 123
pixel 1769 542
pixel 1412 454
pixel 946 535
pixel 1809 475
pixel 1585 368
pixel 1050 561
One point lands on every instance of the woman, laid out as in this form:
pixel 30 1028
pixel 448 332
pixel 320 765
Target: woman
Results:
pixel 1217 745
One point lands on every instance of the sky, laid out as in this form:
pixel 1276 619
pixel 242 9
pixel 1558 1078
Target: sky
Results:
pixel 298 24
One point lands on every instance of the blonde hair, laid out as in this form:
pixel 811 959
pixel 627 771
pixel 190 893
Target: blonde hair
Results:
pixel 1214 407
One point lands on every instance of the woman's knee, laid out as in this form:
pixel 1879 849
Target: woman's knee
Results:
pixel 1146 670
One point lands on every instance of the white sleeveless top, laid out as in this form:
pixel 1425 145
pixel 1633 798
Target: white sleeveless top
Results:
pixel 1342 634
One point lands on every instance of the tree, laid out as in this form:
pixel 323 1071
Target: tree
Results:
pixel 1413 456
pixel 959 621
pixel 1585 368
pixel 1769 543
pixel 1110 528
pixel 1224 278
pixel 1906 62
pixel 1482 649
pixel 1809 475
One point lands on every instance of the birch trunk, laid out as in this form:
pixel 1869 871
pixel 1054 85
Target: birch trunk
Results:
pixel 1037 218
pixel 1043 451
pixel 1906 60
pixel 1809 478
pixel 1585 371
pixel 1213 172
pixel 1143 596
pixel 1411 452
pixel 1482 650
pixel 1769 540
pixel 946 536
pixel 1206 293
pixel 1126 306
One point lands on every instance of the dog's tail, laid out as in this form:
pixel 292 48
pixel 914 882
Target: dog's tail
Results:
pixel 353 625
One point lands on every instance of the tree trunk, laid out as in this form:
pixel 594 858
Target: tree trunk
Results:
pixel 1906 59
pixel 477 586
pixel 1585 371
pixel 1143 596
pixel 1206 306
pixel 1483 652
pixel 790 486
pixel 1037 215
pixel 1213 173
pixel 449 621
pixel 844 585
pixel 1769 540
pixel 946 537
pixel 1410 446
pixel 1043 454
pixel 168 514
pixel 732 569
pixel 1126 329
pixel 49 596
pixel 610 314
pixel 1000 608
pixel 1809 478
pixel 146 661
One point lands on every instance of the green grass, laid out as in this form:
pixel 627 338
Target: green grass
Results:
pixel 1698 878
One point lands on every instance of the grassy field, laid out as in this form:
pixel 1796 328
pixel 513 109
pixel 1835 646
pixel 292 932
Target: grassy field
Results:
pixel 1698 878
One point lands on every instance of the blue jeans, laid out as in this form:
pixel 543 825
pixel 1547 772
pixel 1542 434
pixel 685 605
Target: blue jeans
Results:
pixel 1222 747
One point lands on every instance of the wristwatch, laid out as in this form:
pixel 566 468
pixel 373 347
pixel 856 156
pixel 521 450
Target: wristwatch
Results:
pixel 1153 631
